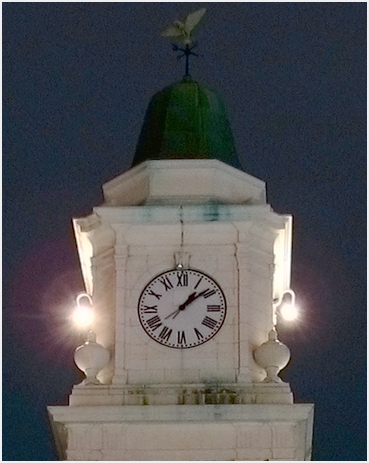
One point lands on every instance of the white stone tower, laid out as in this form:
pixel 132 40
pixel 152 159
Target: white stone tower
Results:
pixel 184 261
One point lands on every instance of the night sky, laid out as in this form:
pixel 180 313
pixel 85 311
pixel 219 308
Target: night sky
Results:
pixel 77 79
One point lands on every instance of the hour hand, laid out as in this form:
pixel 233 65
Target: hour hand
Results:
pixel 190 299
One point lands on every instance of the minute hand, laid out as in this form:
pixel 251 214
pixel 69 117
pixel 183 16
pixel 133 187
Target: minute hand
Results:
pixel 190 299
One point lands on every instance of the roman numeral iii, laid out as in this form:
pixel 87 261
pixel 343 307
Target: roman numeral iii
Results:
pixel 213 308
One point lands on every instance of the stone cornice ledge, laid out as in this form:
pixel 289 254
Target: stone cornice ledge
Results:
pixel 200 213
pixel 247 412
pixel 183 180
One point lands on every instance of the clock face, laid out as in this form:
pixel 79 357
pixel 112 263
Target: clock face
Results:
pixel 182 308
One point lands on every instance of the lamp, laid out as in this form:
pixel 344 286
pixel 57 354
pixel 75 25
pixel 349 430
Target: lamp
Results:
pixel 83 315
pixel 91 357
pixel 286 306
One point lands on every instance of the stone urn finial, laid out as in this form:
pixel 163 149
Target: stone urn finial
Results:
pixel 91 358
pixel 273 356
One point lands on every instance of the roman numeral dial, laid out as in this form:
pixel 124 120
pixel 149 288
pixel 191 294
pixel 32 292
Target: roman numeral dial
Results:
pixel 182 308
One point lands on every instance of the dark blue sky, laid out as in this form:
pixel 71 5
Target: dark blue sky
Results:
pixel 77 79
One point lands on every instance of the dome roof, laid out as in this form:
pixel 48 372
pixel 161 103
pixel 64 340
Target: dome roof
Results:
pixel 186 120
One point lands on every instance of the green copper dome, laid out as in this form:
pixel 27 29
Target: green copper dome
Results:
pixel 186 120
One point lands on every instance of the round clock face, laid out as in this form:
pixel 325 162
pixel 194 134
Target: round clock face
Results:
pixel 182 308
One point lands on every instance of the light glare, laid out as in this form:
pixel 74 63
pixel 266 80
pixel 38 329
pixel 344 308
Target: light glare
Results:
pixel 83 316
pixel 289 312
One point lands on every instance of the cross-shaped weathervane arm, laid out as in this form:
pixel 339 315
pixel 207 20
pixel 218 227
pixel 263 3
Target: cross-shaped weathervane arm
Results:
pixel 187 52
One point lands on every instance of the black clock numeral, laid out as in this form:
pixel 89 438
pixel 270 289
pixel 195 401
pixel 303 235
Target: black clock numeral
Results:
pixel 151 293
pixel 213 308
pixel 165 333
pixel 150 309
pixel 209 322
pixel 198 334
pixel 209 292
pixel 166 282
pixel 154 322
pixel 182 279
pixel 197 284
pixel 181 337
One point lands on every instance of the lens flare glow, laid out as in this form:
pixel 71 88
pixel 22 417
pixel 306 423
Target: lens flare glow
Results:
pixel 289 312
pixel 83 316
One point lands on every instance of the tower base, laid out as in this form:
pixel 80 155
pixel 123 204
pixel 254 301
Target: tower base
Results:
pixel 218 432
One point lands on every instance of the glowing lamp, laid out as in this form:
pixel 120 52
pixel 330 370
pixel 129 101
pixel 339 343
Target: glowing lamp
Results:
pixel 289 312
pixel 83 314
pixel 286 307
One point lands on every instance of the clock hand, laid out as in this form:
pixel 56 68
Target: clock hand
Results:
pixel 200 294
pixel 190 299
pixel 175 313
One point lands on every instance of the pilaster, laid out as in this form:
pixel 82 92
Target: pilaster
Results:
pixel 120 260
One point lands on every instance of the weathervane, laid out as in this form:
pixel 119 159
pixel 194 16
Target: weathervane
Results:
pixel 182 30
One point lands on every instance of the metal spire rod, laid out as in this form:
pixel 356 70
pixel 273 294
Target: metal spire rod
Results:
pixel 187 52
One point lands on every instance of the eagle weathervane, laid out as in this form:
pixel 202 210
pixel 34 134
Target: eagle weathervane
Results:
pixel 183 30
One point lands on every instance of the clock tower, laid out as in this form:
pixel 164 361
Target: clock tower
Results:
pixel 185 263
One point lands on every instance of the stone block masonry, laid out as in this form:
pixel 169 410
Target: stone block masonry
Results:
pixel 185 432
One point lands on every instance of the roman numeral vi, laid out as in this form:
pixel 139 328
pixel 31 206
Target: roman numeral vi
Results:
pixel 181 337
